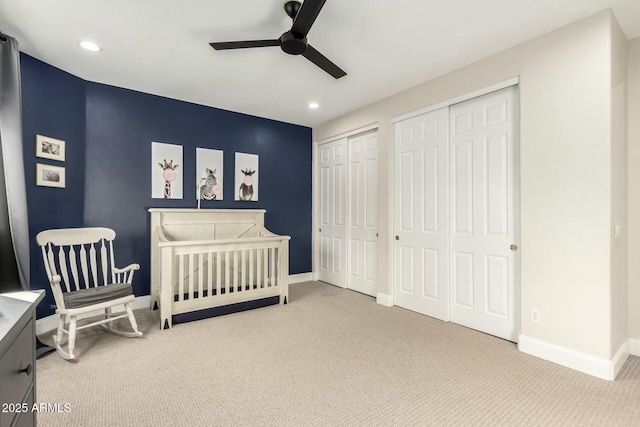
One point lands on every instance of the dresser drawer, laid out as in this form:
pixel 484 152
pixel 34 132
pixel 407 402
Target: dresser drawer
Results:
pixel 15 384
pixel 28 418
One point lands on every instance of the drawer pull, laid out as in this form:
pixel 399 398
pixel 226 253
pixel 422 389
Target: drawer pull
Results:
pixel 26 370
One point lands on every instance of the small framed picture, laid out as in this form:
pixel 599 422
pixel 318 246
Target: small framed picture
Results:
pixel 49 148
pixel 50 176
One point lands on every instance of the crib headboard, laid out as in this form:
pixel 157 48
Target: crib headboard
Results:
pixel 207 224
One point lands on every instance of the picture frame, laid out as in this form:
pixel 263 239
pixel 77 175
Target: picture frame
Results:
pixel 209 181
pixel 166 171
pixel 50 148
pixel 246 174
pixel 50 176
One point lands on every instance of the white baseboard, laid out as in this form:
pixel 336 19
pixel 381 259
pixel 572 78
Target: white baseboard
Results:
pixel 300 277
pixel 634 346
pixel 384 299
pixel 620 357
pixel 586 363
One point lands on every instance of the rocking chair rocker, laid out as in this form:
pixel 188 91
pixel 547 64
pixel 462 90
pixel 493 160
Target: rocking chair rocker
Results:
pixel 96 286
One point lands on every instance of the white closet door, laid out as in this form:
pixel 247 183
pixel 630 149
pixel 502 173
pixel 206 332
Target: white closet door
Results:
pixel 421 258
pixel 484 214
pixel 363 213
pixel 333 225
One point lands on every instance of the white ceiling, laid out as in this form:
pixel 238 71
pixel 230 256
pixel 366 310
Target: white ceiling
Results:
pixel 385 46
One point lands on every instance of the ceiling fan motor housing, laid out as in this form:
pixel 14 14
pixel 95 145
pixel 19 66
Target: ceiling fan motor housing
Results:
pixel 292 45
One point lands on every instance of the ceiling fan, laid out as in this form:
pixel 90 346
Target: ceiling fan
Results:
pixel 294 41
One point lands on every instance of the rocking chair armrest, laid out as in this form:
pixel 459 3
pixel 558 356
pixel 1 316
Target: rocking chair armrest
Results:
pixel 130 267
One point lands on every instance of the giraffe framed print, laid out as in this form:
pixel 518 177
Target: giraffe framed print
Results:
pixel 166 171
pixel 209 174
pixel 246 177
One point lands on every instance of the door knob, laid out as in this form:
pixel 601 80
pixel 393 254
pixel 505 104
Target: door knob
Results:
pixel 397 237
pixel 320 230
pixel 513 247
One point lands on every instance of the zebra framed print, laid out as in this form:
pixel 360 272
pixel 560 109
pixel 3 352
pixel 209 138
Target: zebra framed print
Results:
pixel 166 171
pixel 209 174
pixel 50 176
pixel 50 148
pixel 246 174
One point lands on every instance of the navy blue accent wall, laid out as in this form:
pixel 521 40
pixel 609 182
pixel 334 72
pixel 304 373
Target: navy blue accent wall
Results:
pixel 111 173
pixel 53 104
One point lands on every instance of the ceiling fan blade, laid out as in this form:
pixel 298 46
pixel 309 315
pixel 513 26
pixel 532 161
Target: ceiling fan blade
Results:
pixel 321 61
pixel 306 17
pixel 245 44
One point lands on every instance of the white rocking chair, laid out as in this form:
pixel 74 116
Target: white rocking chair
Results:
pixel 96 285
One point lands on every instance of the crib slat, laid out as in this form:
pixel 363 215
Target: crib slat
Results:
pixel 258 269
pixel 227 282
pixel 243 271
pixel 235 271
pixel 251 282
pixel 200 275
pixel 180 277
pixel 273 266
pixel 218 273
pixel 209 273
pixel 83 265
pixel 276 266
pixel 191 277
pixel 265 273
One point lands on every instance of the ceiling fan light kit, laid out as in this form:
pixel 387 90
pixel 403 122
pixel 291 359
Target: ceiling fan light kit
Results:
pixel 294 41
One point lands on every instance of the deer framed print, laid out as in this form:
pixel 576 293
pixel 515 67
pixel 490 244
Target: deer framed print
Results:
pixel 209 174
pixel 247 181
pixel 166 171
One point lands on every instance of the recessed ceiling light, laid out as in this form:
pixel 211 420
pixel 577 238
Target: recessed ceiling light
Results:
pixel 85 44
pixel 313 105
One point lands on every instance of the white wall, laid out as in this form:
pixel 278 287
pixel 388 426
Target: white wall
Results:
pixel 633 104
pixel 566 175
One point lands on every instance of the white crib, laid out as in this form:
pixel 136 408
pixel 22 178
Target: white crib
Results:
pixel 205 258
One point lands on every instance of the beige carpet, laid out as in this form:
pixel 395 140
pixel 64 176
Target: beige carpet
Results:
pixel 331 357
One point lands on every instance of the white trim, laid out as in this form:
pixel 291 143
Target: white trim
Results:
pixel 315 250
pixel 495 87
pixel 582 362
pixel 300 277
pixel 348 134
pixel 634 346
pixel 620 357
pixel 384 299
